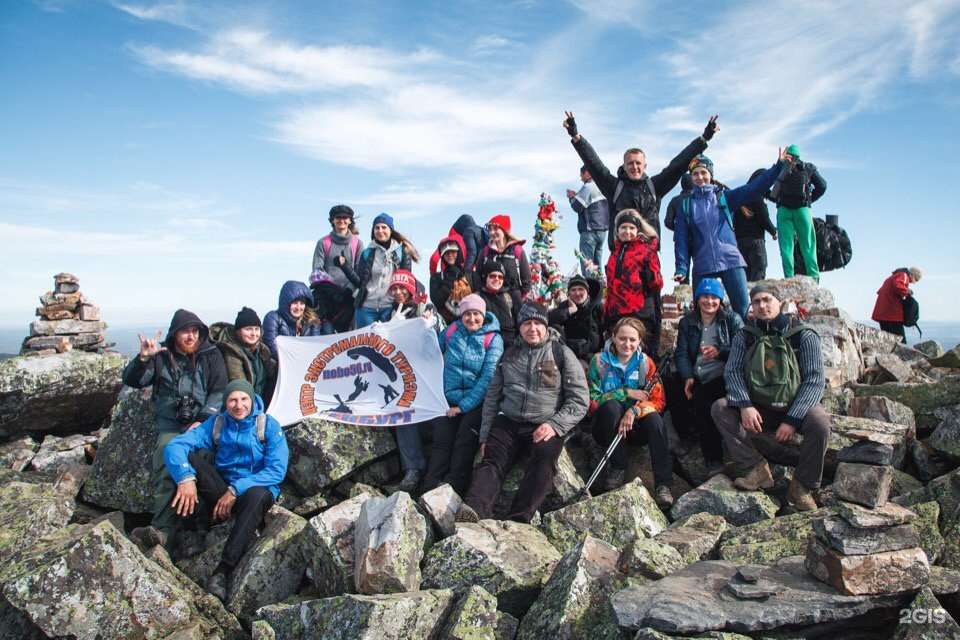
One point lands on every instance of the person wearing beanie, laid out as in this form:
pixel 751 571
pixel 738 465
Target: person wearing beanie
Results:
pixel 593 217
pixel 243 481
pixel 508 250
pixel 471 348
pixel 244 353
pixel 340 248
pixel 634 280
pixel 388 252
pixel 294 316
pixel 704 336
pixel 797 188
pixel 498 300
pixel 578 319
pixel 187 376
pixel 452 281
pixel 888 310
pixel 408 299
pixel 750 222
pixel 523 414
pixel 704 229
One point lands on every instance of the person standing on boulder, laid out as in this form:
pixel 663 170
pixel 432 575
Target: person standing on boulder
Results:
pixel 775 381
pixel 187 375
pixel 593 217
pixel 797 188
pixel 888 311
pixel 749 224
pixel 250 462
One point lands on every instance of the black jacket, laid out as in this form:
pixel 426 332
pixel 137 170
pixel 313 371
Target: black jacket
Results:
pixel 754 225
pixel 686 190
pixel 581 330
pixel 636 194
pixel 502 306
pixel 801 187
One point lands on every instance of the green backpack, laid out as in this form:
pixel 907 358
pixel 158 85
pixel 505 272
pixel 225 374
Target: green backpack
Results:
pixel 772 373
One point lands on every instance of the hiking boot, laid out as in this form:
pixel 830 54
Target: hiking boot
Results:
pixel 217 585
pixel 664 497
pixel 714 468
pixel 411 480
pixel 801 497
pixel 467 514
pixel 615 478
pixel 149 537
pixel 758 477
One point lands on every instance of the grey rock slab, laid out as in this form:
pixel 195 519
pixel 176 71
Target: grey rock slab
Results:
pixel 930 348
pixel 926 619
pixel 648 559
pixel 864 484
pixel 771 540
pixel 757 590
pixel 850 540
pixel 946 437
pixel 932 543
pixel 17 453
pixel 694 537
pixel 718 496
pixel 867 453
pixel 442 504
pixel 28 512
pixel 331 540
pixel 388 545
pixel 56 453
pixel 888 515
pixel 696 600
pixel 928 463
pixel 925 400
pixel 950 359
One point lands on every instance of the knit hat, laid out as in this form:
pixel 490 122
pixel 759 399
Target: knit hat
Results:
pixel 764 288
pixel 341 211
pixel 501 221
pixel 246 318
pixel 915 273
pixel 492 265
pixel 701 161
pixel 711 286
pixel 406 280
pixel 319 275
pixel 385 219
pixel 794 150
pixel 532 311
pixel 472 302
pixel 628 215
pixel 577 281
pixel 240 384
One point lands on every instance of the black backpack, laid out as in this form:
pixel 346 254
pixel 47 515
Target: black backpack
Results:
pixel 834 250
pixel 911 313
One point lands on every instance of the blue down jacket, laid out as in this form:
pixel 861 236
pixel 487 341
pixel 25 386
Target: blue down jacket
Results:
pixel 279 322
pixel 468 367
pixel 241 458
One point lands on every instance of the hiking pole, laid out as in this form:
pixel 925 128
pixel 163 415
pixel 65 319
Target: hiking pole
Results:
pixel 661 365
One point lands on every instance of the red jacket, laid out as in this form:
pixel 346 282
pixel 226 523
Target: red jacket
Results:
pixel 889 307
pixel 633 273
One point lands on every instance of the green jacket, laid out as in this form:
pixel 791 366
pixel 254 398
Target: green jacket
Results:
pixel 257 367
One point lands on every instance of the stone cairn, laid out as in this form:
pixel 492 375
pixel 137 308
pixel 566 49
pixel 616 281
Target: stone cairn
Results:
pixel 67 320
pixel 870 547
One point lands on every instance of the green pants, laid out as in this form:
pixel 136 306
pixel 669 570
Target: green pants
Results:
pixel 164 517
pixel 799 221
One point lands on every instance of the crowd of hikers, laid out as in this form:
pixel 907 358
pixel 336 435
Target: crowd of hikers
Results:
pixel 520 378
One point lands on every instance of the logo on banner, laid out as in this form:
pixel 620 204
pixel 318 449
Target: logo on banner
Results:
pixel 358 374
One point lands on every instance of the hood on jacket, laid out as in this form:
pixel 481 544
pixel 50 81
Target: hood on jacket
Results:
pixel 611 358
pixel 255 410
pixel 182 319
pixel 463 222
pixel 225 334
pixel 461 248
pixel 290 291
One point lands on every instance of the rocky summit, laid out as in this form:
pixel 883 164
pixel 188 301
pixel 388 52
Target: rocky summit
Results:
pixel 344 554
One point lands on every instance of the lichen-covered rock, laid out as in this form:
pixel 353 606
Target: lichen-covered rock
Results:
pixel 474 616
pixel 396 616
pixel 575 602
pixel 946 437
pixel 867 452
pixel 875 341
pixel 950 359
pixel 331 540
pixel 945 490
pixel 930 348
pixel 388 545
pixel 888 367
pixel 851 540
pixel 17 453
pixel 56 453
pixel 864 484
pixel 61 393
pixel 29 512
pixel 617 517
pixel 840 346
pixel 122 470
pixel 323 453
pixel 903 483
pixel 927 462
pixel 926 527
pixel 272 567
pixel 442 504
pixel 310 506
pixel 566 485
pixel 719 497
pixel 926 619
pixel 649 559
pixel 694 537
pixel 925 400
pixel 877 573
pixel 771 540
pixel 91 582
pixel 508 559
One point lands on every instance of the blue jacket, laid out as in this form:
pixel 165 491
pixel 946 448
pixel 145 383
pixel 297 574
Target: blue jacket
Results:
pixel 705 233
pixel 468 367
pixel 689 333
pixel 280 323
pixel 241 459
pixel 593 209
pixel 475 238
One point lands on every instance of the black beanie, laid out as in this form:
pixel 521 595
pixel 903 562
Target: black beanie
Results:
pixel 246 318
pixel 532 311
pixel 578 281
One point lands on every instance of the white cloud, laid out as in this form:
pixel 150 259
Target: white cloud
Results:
pixel 176 13
pixel 484 45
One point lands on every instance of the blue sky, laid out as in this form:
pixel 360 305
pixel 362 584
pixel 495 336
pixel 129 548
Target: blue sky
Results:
pixel 186 154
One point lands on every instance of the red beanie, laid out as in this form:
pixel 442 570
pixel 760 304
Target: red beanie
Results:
pixel 406 280
pixel 501 221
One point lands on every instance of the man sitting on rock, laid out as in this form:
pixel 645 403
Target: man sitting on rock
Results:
pixel 250 463
pixel 521 414
pixel 774 377
pixel 188 375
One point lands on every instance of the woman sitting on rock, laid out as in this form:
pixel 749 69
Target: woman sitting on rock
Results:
pixel 508 250
pixel 244 353
pixel 498 300
pixel 294 315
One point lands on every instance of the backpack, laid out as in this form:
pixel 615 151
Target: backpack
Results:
pixel 619 190
pixel 487 338
pixel 354 245
pixel 772 371
pixel 793 177
pixel 261 422
pixel 834 250
pixel 911 313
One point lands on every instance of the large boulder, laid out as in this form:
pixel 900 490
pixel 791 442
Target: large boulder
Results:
pixel 875 341
pixel 122 470
pixel 388 545
pixel 768 541
pixel 575 602
pixel 805 291
pixel 92 582
pixel 945 490
pixel 396 616
pixel 840 346
pixel 442 504
pixel 330 537
pixel 718 496
pixel 617 517
pixel 864 484
pixel 649 559
pixel 946 437
pixel 474 615
pixel 696 537
pixel 950 359
pixel 924 399
pixel 566 485
pixel 323 452
pixel 508 559
pixel 883 409
pixel 61 393
pixel 28 512
pixel 697 599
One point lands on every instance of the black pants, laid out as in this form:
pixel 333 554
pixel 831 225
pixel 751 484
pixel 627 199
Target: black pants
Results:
pixel 896 328
pixel 681 413
pixel 508 440
pixel 248 509
pixel 704 395
pixel 455 443
pixel 754 252
pixel 648 430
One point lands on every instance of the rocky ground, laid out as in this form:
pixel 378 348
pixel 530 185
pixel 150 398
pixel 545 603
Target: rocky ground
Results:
pixel 342 555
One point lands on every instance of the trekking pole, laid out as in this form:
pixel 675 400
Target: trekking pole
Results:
pixel 661 365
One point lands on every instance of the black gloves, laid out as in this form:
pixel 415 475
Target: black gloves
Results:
pixel 710 129
pixel 572 127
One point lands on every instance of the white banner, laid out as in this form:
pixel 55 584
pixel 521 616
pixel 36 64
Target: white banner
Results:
pixel 382 375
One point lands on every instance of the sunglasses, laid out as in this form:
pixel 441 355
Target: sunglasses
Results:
pixel 495 276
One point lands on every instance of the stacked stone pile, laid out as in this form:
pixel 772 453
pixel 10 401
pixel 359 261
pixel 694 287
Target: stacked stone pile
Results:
pixel 67 320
